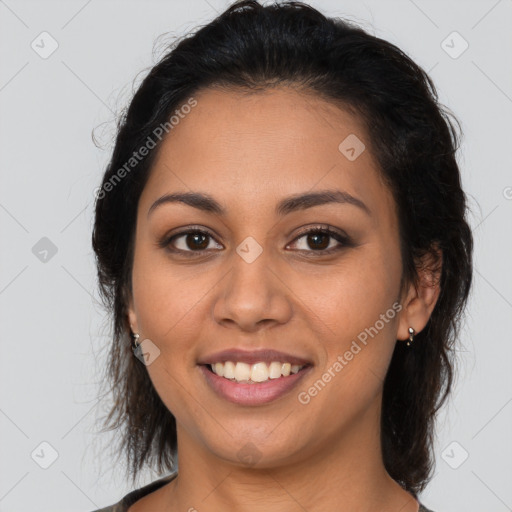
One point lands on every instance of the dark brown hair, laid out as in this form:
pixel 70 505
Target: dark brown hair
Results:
pixel 413 137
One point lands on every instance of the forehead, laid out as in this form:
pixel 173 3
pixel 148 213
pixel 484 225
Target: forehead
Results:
pixel 262 146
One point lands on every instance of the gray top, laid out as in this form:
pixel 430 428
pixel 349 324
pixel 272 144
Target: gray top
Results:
pixel 127 501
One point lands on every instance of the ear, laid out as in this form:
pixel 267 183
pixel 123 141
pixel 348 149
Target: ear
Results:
pixel 421 297
pixel 132 316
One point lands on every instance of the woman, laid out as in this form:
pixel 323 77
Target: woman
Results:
pixel 282 232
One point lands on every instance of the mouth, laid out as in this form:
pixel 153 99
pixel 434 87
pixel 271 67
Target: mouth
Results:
pixel 251 385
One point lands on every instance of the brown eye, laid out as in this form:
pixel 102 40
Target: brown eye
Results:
pixel 322 240
pixel 318 240
pixel 193 240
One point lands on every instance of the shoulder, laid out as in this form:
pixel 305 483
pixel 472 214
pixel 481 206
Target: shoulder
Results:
pixel 129 499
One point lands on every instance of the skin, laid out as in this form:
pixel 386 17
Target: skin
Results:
pixel 249 152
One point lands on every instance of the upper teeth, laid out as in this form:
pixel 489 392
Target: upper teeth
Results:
pixel 258 372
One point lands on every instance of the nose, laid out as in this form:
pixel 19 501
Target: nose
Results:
pixel 252 296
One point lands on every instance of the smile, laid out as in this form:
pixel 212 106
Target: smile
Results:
pixel 237 385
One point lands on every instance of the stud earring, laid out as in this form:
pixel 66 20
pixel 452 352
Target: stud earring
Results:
pixel 411 336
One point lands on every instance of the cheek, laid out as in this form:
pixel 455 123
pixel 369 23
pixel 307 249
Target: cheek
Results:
pixel 170 313
pixel 355 312
pixel 348 297
pixel 167 296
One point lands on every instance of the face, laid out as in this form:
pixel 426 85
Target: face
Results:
pixel 255 279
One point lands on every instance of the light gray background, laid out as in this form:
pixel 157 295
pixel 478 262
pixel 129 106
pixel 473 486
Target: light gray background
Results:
pixel 53 332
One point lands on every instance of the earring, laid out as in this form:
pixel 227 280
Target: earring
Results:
pixel 135 342
pixel 411 336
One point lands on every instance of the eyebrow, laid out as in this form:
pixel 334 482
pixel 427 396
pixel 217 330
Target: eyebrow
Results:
pixel 288 205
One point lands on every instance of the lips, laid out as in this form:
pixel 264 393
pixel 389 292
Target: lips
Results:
pixel 253 357
pixel 245 394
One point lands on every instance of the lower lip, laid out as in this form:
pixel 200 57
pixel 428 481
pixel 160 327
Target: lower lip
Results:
pixel 252 394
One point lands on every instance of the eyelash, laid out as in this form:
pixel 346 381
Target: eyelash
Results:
pixel 321 229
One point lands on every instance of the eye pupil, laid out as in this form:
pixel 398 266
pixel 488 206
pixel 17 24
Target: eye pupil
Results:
pixel 195 236
pixel 315 237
